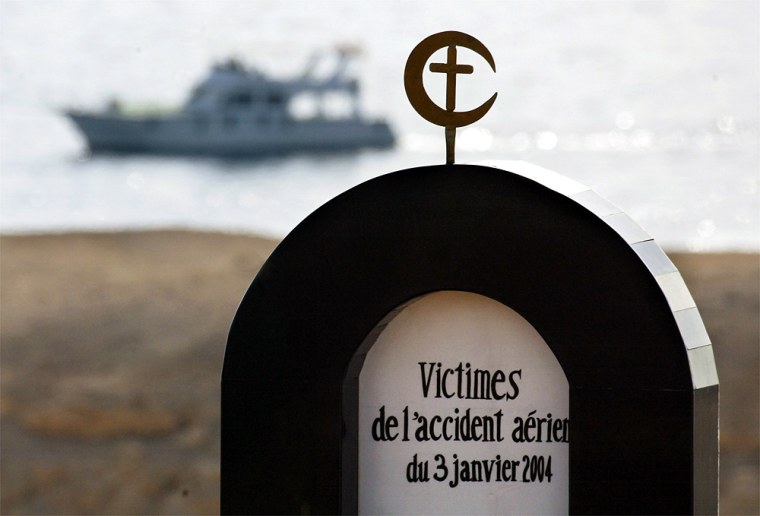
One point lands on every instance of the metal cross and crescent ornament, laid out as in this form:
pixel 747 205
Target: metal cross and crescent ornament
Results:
pixel 418 97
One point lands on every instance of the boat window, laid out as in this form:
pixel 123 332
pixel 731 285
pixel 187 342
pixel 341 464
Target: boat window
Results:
pixel 275 98
pixel 240 99
pixel 337 106
pixel 304 107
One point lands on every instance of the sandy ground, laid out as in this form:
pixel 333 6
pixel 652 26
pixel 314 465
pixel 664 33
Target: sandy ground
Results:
pixel 111 351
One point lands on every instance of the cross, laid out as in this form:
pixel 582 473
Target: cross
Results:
pixel 451 69
pixel 448 118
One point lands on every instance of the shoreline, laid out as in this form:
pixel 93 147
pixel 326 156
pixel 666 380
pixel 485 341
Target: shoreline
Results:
pixel 112 345
pixel 33 233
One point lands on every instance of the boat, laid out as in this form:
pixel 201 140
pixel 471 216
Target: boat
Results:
pixel 238 111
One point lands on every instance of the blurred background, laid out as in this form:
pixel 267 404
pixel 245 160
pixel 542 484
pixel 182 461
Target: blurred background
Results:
pixel 112 338
pixel 653 104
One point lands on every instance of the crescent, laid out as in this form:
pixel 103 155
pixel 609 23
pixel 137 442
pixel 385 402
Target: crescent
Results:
pixel 415 90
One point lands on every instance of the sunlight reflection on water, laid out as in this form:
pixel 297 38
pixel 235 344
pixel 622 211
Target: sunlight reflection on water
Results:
pixel 653 105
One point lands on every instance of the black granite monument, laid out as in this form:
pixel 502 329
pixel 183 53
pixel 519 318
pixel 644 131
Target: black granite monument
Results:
pixel 642 435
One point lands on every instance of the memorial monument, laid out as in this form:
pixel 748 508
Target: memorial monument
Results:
pixel 488 338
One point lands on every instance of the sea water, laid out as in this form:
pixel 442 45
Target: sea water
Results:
pixel 655 105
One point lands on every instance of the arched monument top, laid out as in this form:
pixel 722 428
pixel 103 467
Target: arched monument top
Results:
pixel 580 233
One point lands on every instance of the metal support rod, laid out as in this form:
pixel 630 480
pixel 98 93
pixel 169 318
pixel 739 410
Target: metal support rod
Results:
pixel 451 134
